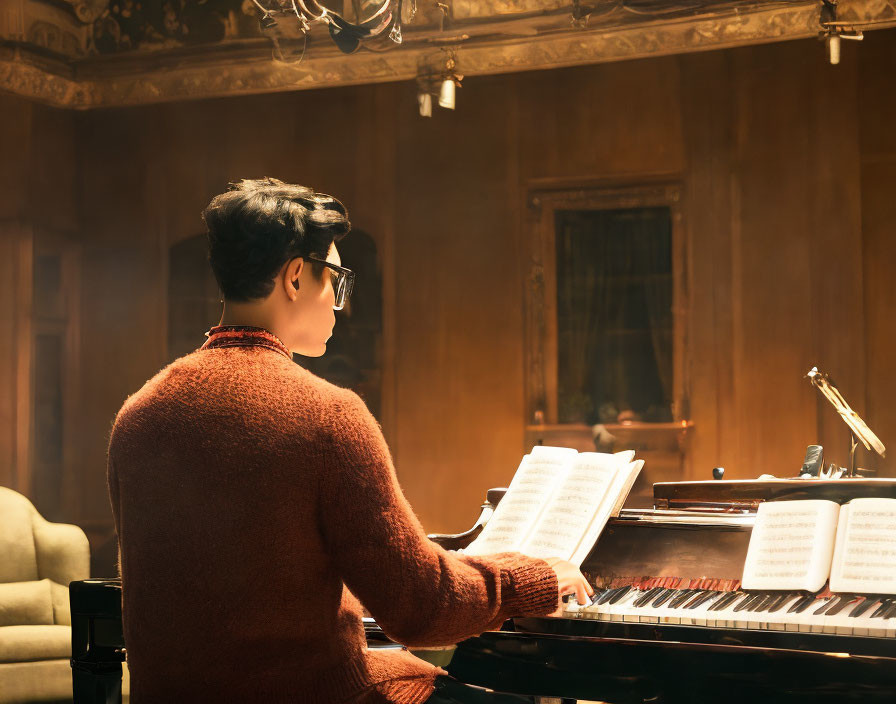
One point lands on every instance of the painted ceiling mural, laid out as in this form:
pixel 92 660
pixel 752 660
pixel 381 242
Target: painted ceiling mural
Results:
pixel 91 53
pixel 145 25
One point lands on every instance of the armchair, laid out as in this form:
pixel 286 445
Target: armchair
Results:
pixel 38 559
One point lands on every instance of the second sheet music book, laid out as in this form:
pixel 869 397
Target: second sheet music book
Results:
pixel 558 503
pixel 801 545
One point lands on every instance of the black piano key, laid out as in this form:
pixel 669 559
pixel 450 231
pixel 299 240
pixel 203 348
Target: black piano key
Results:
pixel 829 603
pixel 726 600
pixel 646 597
pixel 769 601
pixel 619 594
pixel 797 604
pixel 748 601
pixel 663 597
pixel 862 607
pixel 778 603
pixel 804 604
pixel 754 602
pixel 607 595
pixel 825 605
pixel 702 599
pixel 681 597
pixel 880 610
pixel 891 612
pixel 845 600
pixel 763 603
pixel 719 603
pixel 696 596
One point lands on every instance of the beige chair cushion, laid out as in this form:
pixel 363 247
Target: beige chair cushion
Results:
pixel 62 610
pixel 45 681
pixel 30 643
pixel 26 603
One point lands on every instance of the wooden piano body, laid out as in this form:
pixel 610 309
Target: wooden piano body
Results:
pixel 697 532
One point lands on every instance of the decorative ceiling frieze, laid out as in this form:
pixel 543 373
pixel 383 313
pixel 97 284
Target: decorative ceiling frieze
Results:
pixel 104 53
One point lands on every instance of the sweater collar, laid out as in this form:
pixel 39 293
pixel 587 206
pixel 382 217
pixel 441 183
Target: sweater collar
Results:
pixel 244 336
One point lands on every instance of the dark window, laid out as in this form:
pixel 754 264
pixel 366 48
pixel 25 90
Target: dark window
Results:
pixel 614 315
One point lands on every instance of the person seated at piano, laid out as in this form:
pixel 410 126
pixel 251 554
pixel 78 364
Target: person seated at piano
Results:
pixel 256 504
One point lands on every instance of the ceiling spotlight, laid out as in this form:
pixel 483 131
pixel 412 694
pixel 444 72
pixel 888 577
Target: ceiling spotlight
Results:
pixel 450 82
pixel 447 94
pixel 424 102
pixel 833 41
pixel 832 30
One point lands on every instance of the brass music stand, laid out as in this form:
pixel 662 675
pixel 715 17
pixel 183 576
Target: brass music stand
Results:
pixel 858 429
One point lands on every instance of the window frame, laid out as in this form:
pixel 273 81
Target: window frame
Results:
pixel 543 200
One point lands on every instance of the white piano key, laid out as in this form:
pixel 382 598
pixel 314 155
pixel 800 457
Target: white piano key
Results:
pixel 806 621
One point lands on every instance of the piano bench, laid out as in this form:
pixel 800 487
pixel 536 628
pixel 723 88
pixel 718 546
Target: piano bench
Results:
pixel 97 641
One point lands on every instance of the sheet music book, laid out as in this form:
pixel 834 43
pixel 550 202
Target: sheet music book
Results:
pixel 558 503
pixel 865 552
pixel 801 545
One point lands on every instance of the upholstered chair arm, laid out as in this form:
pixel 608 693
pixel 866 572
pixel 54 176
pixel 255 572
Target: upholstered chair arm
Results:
pixel 63 553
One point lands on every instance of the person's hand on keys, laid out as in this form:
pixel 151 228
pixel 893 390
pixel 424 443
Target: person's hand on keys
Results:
pixel 570 580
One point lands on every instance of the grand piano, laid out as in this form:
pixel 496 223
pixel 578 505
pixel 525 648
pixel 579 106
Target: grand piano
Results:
pixel 669 621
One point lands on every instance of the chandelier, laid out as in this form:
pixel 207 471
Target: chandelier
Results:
pixel 370 19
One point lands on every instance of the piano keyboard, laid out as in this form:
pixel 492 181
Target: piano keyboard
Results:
pixel 722 604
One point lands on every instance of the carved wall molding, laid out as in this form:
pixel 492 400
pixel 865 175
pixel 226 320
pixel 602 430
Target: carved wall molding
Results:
pixel 243 68
pixel 43 85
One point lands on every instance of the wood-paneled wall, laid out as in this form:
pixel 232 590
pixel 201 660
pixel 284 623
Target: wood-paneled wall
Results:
pixel 787 166
pixel 38 201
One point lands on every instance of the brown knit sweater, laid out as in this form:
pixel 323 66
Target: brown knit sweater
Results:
pixel 253 503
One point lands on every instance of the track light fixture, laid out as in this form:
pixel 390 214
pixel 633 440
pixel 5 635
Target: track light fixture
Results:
pixel 450 82
pixel 833 31
pixel 442 82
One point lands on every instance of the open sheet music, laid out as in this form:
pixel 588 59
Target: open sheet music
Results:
pixel 804 544
pixel 865 554
pixel 558 503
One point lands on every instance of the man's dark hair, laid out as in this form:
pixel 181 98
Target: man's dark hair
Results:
pixel 258 225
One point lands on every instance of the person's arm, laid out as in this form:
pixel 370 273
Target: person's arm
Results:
pixel 418 593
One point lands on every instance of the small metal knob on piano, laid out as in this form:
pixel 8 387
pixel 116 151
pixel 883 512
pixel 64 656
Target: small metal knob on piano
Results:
pixel 718 472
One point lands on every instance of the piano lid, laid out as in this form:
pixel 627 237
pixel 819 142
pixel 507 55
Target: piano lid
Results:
pixel 739 495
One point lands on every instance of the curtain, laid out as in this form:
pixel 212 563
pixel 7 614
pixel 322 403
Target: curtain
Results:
pixel 582 303
pixel 614 312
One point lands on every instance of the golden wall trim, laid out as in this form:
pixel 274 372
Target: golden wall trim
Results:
pixel 247 68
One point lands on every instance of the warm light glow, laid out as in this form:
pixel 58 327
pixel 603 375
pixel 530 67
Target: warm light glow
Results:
pixel 834 48
pixel 447 94
pixel 424 100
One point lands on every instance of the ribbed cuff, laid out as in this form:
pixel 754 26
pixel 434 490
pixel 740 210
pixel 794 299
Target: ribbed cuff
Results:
pixel 530 589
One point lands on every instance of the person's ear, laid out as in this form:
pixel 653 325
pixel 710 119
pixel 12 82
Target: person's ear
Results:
pixel 291 273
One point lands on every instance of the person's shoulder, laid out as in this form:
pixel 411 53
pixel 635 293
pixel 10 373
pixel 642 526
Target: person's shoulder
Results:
pixel 336 399
pixel 161 385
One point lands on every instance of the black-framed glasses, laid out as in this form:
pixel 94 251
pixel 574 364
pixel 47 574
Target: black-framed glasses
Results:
pixel 343 281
